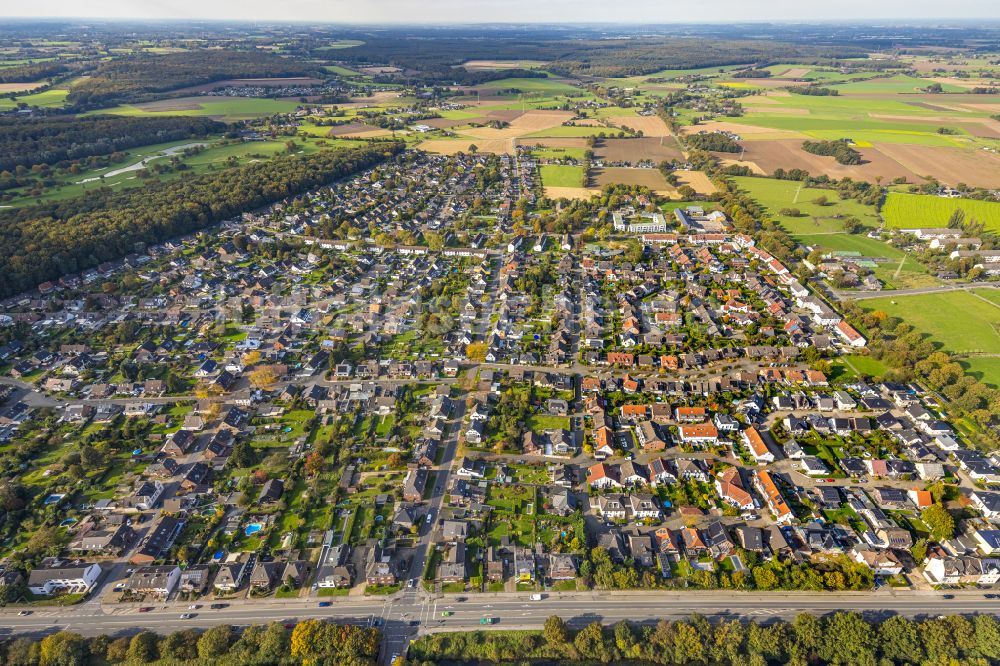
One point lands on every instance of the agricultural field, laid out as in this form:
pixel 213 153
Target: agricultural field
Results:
pixel 902 211
pixel 966 323
pixel 46 99
pixel 651 178
pixel 221 108
pixel 900 130
pixel 654 149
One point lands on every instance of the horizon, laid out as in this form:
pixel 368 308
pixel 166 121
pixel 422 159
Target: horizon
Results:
pixel 512 12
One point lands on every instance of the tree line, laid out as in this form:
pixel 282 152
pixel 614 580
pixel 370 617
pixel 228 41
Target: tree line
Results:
pixel 52 140
pixel 46 241
pixel 313 642
pixel 31 72
pixel 844 638
pixel 136 77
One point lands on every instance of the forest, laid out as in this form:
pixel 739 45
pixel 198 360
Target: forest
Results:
pixel 30 72
pixel 46 241
pixel 448 75
pixel 26 142
pixel 841 638
pixel 136 78
pixel 586 57
pixel 312 642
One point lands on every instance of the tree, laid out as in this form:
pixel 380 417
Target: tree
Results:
pixel 940 522
pixel 243 454
pixel 476 351
pixel 142 649
pixel 900 641
pixel 555 631
pixel 591 644
pixel 215 642
pixel 274 643
pixel 314 463
pixel 180 645
pixel 63 648
pixel 263 376
pixel 307 639
pixel 434 240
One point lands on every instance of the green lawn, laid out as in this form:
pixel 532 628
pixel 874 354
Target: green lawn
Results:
pixel 902 211
pixel 562 176
pixel 545 153
pixel 540 422
pixel 852 366
pixel 958 322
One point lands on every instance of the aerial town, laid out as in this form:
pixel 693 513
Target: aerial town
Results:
pixel 329 344
pixel 262 412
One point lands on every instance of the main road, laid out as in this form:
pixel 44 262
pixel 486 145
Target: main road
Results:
pixel 414 611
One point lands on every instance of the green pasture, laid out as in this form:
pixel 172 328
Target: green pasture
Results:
pixel 554 175
pixel 956 321
pixel 904 211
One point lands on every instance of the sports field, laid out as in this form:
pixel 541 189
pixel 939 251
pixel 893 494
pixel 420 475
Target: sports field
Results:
pixel 903 211
pixel 962 322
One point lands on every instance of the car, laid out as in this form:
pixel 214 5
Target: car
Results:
pixel 145 609
pixel 325 604
pixel 487 620
pixel 446 613
pixel 989 596
pixel 194 606
pixel 412 583
pixel 948 596
pixel 537 597
pixel 459 599
pixel 218 606
pixel 430 517
pixel 24 612
pixel 187 616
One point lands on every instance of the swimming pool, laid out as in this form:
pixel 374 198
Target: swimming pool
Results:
pixel 253 528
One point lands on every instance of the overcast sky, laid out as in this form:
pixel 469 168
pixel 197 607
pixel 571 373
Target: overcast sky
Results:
pixel 506 11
